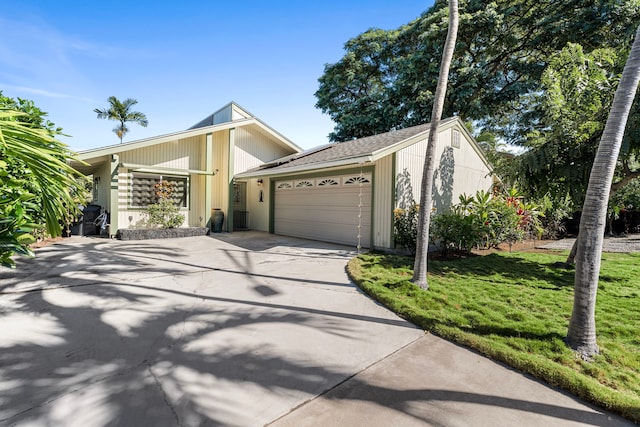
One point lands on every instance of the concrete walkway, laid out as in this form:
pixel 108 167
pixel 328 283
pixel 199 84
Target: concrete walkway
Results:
pixel 243 329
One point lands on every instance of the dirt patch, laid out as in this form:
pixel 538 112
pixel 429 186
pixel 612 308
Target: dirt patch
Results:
pixel 527 245
pixel 46 242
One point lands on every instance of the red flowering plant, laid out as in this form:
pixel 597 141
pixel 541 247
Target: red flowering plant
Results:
pixel 486 220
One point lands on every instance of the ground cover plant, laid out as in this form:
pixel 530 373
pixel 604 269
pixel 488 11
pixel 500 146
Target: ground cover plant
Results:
pixel 515 307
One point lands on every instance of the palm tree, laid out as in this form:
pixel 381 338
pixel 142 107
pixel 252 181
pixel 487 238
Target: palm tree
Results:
pixel 121 112
pixel 582 327
pixel 422 245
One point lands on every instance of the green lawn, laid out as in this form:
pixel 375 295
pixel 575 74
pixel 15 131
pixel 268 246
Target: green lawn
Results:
pixel 515 307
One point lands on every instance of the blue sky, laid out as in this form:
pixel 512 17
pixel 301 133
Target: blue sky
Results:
pixel 182 60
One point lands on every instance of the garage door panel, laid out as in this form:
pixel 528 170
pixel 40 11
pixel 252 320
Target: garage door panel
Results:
pixel 329 232
pixel 328 213
pixel 321 199
pixel 322 213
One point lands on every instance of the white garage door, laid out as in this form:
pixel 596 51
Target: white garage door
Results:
pixel 325 209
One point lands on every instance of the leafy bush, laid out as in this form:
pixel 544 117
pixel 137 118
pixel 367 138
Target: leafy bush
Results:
pixel 165 213
pixel 405 227
pixel 484 220
pixel 452 231
pixel 15 221
pixel 556 211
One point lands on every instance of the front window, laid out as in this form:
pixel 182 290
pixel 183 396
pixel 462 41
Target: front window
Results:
pixel 143 189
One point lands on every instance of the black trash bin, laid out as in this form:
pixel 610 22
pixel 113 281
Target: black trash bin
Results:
pixel 89 215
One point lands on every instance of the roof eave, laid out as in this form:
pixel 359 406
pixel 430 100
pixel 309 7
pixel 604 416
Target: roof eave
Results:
pixel 142 143
pixel 305 168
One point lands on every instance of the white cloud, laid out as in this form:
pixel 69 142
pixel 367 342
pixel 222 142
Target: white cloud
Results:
pixel 46 93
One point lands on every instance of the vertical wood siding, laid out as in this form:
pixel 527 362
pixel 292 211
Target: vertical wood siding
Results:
pixel 253 149
pixel 180 154
pixel 104 185
pixel 197 216
pixel 220 190
pixel 458 170
pixel 183 153
pixel 383 203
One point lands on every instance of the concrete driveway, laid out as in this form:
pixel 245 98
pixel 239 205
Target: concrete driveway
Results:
pixel 242 329
pixel 234 330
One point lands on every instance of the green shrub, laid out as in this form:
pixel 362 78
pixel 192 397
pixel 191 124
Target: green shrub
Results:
pixel 405 227
pixel 485 220
pixel 164 213
pixel 556 211
pixel 452 231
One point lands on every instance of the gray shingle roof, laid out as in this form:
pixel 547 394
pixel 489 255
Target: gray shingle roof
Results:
pixel 345 150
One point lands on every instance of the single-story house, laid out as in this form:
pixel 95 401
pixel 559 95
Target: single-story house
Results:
pixel 341 192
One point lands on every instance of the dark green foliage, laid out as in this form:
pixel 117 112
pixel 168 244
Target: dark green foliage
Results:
pixel 405 227
pixel 537 74
pixel 387 78
pixel 452 231
pixel 483 221
pixel 35 178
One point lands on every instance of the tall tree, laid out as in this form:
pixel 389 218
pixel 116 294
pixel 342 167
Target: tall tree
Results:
pixel 120 111
pixel 582 326
pixel 422 244
pixel 577 91
pixel 385 78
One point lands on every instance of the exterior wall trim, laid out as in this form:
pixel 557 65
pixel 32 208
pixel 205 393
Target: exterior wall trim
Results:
pixel 152 169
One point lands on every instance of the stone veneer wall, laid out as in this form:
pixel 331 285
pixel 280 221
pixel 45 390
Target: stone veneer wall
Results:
pixel 160 233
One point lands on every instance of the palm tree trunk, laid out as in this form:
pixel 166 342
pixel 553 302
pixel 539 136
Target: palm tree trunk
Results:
pixel 422 244
pixel 571 259
pixel 582 327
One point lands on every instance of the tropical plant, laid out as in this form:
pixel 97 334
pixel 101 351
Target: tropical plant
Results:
pixel 454 231
pixel 16 224
pixel 556 211
pixel 164 213
pixel 581 335
pixel 486 220
pixel 424 217
pixel 405 227
pixel 120 111
pixel 35 181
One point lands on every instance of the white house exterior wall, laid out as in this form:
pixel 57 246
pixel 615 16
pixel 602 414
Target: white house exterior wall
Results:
pixel 258 211
pixel 238 114
pixel 178 154
pixel 197 216
pixel 103 186
pixel 383 202
pixel 182 154
pixel 252 149
pixel 220 190
pixel 458 170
